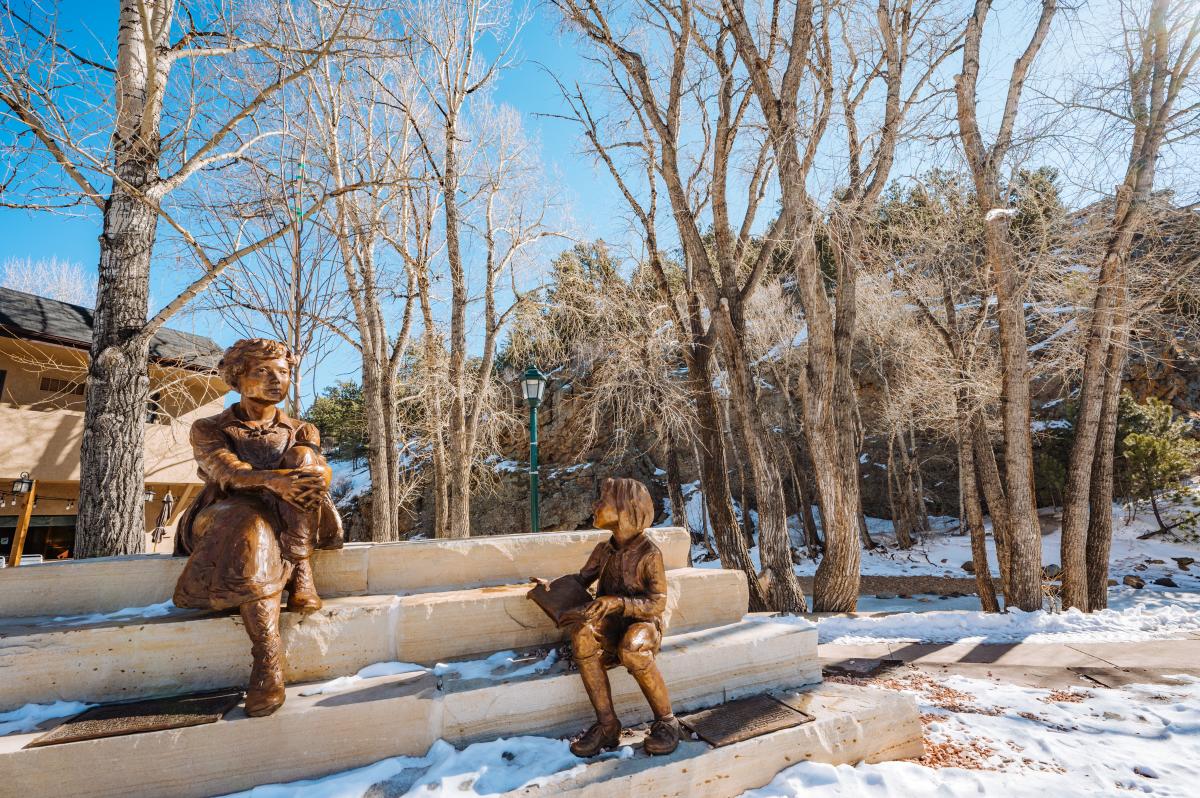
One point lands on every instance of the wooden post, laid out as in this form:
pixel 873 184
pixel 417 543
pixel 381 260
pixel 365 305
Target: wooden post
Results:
pixel 23 526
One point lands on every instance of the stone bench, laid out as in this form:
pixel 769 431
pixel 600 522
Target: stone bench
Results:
pixel 108 584
pixel 110 661
pixel 316 735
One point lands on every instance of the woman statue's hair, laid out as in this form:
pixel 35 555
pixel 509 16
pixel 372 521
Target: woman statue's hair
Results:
pixel 631 499
pixel 237 358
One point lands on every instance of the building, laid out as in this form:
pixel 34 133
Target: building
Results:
pixel 43 364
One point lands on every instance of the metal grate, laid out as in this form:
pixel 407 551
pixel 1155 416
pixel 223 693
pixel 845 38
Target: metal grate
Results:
pixel 137 717
pixel 746 718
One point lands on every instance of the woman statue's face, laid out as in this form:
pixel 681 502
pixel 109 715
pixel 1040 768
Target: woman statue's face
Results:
pixel 266 381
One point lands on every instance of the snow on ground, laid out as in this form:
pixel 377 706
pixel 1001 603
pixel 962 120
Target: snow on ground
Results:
pixel 343 683
pixel 984 738
pixel 1133 623
pixel 351 478
pixel 29 717
pixel 482 769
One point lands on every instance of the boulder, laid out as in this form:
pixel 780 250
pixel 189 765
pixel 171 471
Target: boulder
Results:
pixel 1183 562
pixel 1135 582
pixel 1051 571
pixel 1165 581
pixel 969 567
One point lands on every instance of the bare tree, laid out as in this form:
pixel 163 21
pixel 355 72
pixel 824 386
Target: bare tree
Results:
pixel 985 163
pixel 51 277
pixel 1154 104
pixel 115 157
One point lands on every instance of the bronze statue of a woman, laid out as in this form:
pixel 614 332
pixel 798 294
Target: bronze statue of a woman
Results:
pixel 264 508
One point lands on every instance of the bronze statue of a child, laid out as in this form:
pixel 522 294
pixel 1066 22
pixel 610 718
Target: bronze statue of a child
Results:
pixel 264 508
pixel 624 623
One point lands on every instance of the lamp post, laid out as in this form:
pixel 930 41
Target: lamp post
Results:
pixel 533 385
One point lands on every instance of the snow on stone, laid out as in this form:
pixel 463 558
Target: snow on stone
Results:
pixel 29 717
pixel 495 667
pixel 482 769
pixel 159 610
pixel 984 738
pixel 343 683
pixel 1000 213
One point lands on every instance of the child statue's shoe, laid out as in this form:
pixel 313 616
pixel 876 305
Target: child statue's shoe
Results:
pixel 597 738
pixel 663 737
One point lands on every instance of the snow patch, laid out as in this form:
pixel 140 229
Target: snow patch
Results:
pixel 1133 623
pixel 999 213
pixel 27 718
pixel 483 769
pixel 343 683
pixel 159 610
pixel 495 666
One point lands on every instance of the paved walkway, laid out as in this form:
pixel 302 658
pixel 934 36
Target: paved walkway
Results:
pixel 1048 665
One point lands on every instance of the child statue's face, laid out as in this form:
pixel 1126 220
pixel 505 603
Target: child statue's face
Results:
pixel 266 381
pixel 605 516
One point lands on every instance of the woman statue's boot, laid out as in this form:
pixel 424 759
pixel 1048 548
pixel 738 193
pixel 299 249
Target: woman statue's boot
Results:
pixel 265 693
pixel 302 590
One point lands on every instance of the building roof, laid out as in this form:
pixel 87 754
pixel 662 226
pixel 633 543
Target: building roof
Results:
pixel 37 318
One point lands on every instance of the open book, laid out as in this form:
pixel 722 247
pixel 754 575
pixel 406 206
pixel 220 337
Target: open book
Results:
pixel 559 597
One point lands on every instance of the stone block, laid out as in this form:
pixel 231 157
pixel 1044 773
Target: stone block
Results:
pixel 851 725
pixel 122 660
pixel 109 584
pixel 434 565
pixel 402 715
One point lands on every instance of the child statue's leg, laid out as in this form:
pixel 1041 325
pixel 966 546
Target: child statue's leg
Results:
pixel 587 646
pixel 638 647
pixel 297 538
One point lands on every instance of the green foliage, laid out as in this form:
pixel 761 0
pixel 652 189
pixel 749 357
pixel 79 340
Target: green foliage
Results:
pixel 338 416
pixel 1156 447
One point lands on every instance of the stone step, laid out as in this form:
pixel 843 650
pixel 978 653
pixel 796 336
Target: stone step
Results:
pixel 852 724
pixel 108 584
pixel 115 661
pixel 316 735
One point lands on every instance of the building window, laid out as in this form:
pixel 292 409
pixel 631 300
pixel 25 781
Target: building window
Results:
pixel 56 385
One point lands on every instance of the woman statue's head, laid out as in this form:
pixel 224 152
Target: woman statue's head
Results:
pixel 258 368
pixel 624 508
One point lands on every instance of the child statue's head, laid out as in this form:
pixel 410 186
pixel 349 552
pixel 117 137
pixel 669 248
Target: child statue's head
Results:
pixel 624 508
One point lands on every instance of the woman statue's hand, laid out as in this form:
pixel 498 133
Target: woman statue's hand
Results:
pixel 299 487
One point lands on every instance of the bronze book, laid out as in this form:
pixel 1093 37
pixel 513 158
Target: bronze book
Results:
pixel 560 597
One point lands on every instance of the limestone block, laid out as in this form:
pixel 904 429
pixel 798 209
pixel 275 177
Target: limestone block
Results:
pixel 442 626
pixel 79 587
pixel 400 715
pixel 114 583
pixel 852 724
pixel 341 572
pixel 115 661
pixel 308 736
pixel 725 662
pixel 428 565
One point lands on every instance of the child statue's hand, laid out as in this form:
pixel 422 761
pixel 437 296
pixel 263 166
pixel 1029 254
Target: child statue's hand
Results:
pixel 602 606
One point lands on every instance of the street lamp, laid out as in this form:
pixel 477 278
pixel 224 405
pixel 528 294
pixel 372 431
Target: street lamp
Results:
pixel 148 496
pixel 22 485
pixel 533 385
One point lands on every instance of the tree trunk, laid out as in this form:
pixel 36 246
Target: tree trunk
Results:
pixel 974 522
pixel 1100 517
pixel 382 509
pixel 993 491
pixel 731 546
pixel 111 519
pixel 1024 582
pixel 674 492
